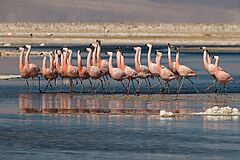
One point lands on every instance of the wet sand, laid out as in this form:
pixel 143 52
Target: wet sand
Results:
pixel 119 33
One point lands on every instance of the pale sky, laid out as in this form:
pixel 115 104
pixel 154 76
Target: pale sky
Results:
pixel 160 11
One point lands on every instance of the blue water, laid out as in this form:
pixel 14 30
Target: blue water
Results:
pixel 80 136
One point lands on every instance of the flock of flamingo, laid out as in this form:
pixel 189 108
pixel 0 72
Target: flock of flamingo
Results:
pixel 100 70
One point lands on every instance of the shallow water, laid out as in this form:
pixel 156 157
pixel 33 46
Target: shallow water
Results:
pixel 70 135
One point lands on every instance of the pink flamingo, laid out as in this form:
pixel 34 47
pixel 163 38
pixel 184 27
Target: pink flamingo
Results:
pixel 221 76
pixel 131 74
pixel 68 70
pixel 116 73
pixel 152 66
pixel 31 68
pixel 142 70
pixel 93 71
pixel 83 73
pixel 166 74
pixel 103 64
pixel 171 64
pixel 58 65
pixel 210 68
pixel 185 72
pixel 48 73
pixel 22 67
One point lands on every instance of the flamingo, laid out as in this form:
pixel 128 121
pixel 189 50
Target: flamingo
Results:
pixel 185 72
pixel 221 76
pixel 165 74
pixel 31 68
pixel 152 66
pixel 68 70
pixel 210 68
pixel 59 66
pixel 142 70
pixel 130 73
pixel 48 73
pixel 116 73
pixel 103 64
pixel 22 67
pixel 93 71
pixel 83 73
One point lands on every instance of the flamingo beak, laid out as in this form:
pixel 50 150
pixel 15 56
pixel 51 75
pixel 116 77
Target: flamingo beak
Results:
pixel 155 53
pixel 201 48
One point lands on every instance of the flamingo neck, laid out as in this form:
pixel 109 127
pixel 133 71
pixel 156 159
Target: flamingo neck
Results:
pixel 119 59
pixel 170 63
pixel 70 59
pixel 89 59
pixel 110 64
pixel 136 61
pixel 27 57
pixel 57 62
pixel 205 63
pixel 149 55
pixel 79 62
pixel 62 62
pixel 21 60
pixel 44 64
pixel 158 61
pixel 139 57
pixel 209 59
pixel 94 57
pixel 65 62
pixel 123 62
pixel 51 62
pixel 177 59
pixel 99 60
pixel 217 65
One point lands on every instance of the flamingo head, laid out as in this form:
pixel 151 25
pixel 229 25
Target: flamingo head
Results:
pixel 27 46
pixel 137 49
pixel 70 51
pixel 65 49
pixel 158 53
pixel 170 46
pixel 98 41
pixel 203 48
pixel 93 45
pixel 88 49
pixel 51 53
pixel 109 53
pixel 20 49
pixel 79 51
pixel 58 52
pixel 215 57
pixel 177 49
pixel 148 45
pixel 118 49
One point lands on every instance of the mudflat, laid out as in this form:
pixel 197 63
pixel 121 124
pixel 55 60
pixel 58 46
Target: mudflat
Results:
pixel 119 33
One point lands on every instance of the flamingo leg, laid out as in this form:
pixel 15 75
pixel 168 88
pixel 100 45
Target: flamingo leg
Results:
pixel 71 85
pixel 51 86
pixel 114 87
pixel 138 87
pixel 211 85
pixel 193 85
pixel 46 86
pixel 39 85
pixel 168 85
pixel 101 82
pixel 82 85
pixel 25 84
pixel 123 86
pixel 128 86
pixel 180 85
pixel 225 88
pixel 158 84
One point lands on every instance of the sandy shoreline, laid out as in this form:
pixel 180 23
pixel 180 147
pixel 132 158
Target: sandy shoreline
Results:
pixel 119 33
